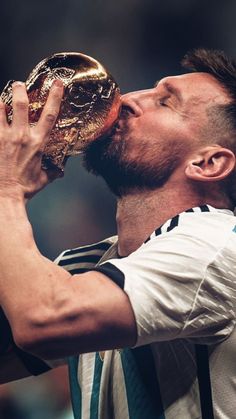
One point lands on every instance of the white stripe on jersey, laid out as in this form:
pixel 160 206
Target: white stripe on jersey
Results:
pixel 85 379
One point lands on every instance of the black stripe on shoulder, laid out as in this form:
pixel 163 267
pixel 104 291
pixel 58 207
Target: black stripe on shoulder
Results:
pixel 34 365
pixel 190 210
pixel 80 259
pixel 204 208
pixel 99 246
pixel 174 222
pixel 158 231
pixel 112 272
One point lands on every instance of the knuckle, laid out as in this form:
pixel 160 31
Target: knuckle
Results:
pixel 21 104
pixel 21 137
pixel 51 116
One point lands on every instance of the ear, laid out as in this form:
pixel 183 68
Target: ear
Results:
pixel 211 164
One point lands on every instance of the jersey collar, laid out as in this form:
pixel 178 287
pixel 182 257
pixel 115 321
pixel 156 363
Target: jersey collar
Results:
pixel 174 222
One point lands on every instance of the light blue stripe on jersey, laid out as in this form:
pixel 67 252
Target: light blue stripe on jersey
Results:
pixel 75 390
pixel 140 404
pixel 96 387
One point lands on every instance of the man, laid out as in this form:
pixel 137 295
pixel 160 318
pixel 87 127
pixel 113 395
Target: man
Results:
pixel 155 303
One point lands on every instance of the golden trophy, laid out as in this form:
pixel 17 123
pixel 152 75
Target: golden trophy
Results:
pixel 89 108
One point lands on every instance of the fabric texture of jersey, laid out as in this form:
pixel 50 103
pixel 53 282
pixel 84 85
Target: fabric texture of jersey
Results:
pixel 181 285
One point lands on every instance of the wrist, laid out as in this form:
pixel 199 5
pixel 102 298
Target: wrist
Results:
pixel 12 192
pixel 12 195
pixel 12 207
pixel 15 227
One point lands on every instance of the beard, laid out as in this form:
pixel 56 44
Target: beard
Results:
pixel 148 170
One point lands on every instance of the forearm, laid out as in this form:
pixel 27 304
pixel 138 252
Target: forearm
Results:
pixel 29 282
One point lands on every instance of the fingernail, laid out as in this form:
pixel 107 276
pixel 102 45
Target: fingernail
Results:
pixel 18 83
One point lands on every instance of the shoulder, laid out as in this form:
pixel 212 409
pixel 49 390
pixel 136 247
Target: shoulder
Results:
pixel 194 235
pixel 190 243
pixel 82 258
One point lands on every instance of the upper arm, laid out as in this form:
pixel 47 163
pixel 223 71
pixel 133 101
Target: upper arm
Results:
pixel 95 314
pixel 106 316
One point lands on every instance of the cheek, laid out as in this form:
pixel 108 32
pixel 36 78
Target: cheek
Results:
pixel 161 123
pixel 155 133
pixel 174 129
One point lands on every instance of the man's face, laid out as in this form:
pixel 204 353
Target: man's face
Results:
pixel 158 128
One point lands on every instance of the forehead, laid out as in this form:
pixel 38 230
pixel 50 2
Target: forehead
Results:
pixel 196 87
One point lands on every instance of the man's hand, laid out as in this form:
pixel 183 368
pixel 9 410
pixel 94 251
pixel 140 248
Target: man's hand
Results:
pixel 22 145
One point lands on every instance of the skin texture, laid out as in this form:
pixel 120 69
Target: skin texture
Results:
pixel 55 314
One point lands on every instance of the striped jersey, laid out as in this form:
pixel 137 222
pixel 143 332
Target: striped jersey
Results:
pixel 181 285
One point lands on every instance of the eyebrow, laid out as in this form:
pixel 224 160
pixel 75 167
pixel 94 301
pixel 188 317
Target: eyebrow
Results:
pixel 171 89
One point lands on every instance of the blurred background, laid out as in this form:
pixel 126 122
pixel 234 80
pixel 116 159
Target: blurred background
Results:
pixel 138 42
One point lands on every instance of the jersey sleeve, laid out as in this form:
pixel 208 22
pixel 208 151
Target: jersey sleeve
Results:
pixel 179 287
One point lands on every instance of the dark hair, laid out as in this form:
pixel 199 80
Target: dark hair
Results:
pixel 223 68
pixel 216 63
pixel 222 117
pixel 220 66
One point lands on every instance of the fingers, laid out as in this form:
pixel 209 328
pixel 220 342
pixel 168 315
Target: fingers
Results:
pixel 20 105
pixel 51 109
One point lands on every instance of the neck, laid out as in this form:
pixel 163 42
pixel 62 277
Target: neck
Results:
pixel 139 214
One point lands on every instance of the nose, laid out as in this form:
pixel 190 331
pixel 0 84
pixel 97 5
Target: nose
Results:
pixel 132 102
